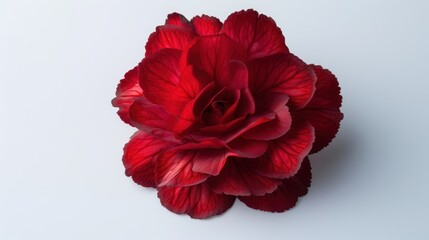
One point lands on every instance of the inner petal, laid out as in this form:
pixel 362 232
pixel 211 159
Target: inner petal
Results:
pixel 222 104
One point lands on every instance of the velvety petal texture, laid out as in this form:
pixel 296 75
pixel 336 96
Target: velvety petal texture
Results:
pixel 256 32
pixel 205 25
pixel 139 157
pixel 128 89
pixel 283 73
pixel 197 201
pixel 224 110
pixel 285 154
pixel 286 195
pixel 323 111
pixel 168 37
pixel 241 179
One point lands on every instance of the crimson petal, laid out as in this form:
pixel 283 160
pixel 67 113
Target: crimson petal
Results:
pixel 258 34
pixel 246 104
pixel 275 102
pixel 285 154
pixel 178 20
pixel 159 75
pixel 239 179
pixel 174 168
pixel 190 86
pixel 168 36
pixel 327 95
pixel 238 75
pixel 128 89
pixel 323 111
pixel 210 161
pixel 248 148
pixel 231 130
pixel 139 157
pixel 197 201
pixel 282 73
pixel 210 55
pixel 206 25
pixel 191 163
pixel 286 195
pixel 326 124
pixel 152 118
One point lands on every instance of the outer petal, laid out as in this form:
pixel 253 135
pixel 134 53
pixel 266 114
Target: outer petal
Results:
pixel 326 124
pixel 174 168
pixel 159 76
pixel 258 34
pixel 239 179
pixel 139 157
pixel 190 164
pixel 168 36
pixel 128 89
pixel 283 73
pixel 206 25
pixel 197 201
pixel 178 20
pixel 286 195
pixel 285 154
pixel 212 54
pixel 327 95
pixel 323 111
pixel 151 118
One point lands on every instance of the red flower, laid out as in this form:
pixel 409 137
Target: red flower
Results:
pixel 225 111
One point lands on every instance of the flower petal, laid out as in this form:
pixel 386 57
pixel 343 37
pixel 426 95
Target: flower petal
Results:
pixel 326 124
pixel 168 36
pixel 222 130
pixel 139 157
pixel 152 118
pixel 231 130
pixel 239 179
pixel 246 124
pixel 327 95
pixel 258 34
pixel 193 107
pixel 128 89
pixel 174 168
pixel 277 127
pixel 246 104
pixel 210 161
pixel 206 25
pixel 286 195
pixel 285 154
pixel 190 164
pixel 282 73
pixel 191 84
pixel 178 20
pixel 210 55
pixel 238 75
pixel 248 148
pixel 197 201
pixel 159 76
pixel 323 111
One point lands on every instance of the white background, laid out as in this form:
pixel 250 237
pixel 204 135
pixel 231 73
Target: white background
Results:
pixel 61 175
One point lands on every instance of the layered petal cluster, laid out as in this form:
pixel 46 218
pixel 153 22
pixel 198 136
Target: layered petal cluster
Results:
pixel 224 111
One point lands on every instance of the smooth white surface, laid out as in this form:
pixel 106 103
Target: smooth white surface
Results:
pixel 61 175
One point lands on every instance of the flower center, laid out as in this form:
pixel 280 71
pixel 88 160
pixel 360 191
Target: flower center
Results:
pixel 219 107
pixel 215 111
